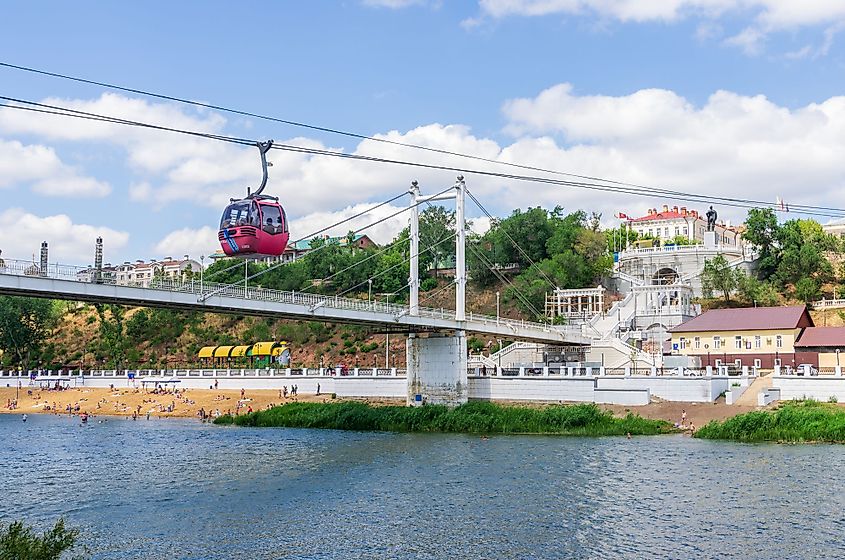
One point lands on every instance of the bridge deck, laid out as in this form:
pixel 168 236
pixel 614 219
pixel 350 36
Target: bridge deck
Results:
pixel 188 295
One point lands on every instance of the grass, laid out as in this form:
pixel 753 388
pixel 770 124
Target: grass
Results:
pixel 473 418
pixel 804 421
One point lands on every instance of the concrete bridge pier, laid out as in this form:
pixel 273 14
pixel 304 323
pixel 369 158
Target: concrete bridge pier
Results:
pixel 437 368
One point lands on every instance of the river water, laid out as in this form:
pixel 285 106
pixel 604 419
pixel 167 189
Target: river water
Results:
pixel 181 489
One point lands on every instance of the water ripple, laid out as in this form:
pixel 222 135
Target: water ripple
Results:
pixel 180 489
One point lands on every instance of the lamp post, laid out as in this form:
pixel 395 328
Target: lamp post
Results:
pixel 387 341
pixel 370 292
pixel 497 308
pixel 202 269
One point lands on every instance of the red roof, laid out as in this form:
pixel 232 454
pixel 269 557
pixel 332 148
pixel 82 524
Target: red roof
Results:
pixel 822 336
pixel 748 319
pixel 670 215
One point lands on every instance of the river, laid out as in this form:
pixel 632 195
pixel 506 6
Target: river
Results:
pixel 181 489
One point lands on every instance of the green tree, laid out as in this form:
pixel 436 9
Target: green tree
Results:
pixel 801 254
pixel 20 542
pixel 807 290
pixel 437 225
pixel 763 231
pixel 756 292
pixel 24 324
pixel 718 276
pixel 113 340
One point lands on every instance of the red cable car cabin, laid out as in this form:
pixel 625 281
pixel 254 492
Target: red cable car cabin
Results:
pixel 254 227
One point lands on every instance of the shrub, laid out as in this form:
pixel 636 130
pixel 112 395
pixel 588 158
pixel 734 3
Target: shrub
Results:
pixel 20 542
pixel 792 422
pixel 473 417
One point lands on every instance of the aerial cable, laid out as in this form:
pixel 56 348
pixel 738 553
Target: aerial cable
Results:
pixel 277 265
pixel 838 212
pixel 650 190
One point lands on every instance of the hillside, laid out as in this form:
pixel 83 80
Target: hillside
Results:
pixel 156 338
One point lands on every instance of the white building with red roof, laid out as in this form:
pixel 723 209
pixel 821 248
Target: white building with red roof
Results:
pixel 671 223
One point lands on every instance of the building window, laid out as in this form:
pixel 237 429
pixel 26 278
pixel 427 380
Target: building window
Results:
pixel 738 363
pixel 666 232
pixel 683 343
pixel 697 342
pixel 758 342
pixel 718 363
pixel 686 231
pixel 677 231
pixel 777 361
pixel 758 363
pixel 779 341
pixel 717 342
pixel 738 342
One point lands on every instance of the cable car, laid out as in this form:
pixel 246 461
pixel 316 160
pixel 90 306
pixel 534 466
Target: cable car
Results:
pixel 255 226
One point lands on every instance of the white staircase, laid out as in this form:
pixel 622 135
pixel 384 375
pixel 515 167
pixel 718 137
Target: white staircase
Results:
pixel 609 324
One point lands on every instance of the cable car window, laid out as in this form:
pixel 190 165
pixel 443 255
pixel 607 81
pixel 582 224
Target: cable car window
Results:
pixel 272 219
pixel 235 215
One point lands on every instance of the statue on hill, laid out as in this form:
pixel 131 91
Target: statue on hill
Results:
pixel 711 219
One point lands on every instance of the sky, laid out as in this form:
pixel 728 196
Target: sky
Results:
pixel 723 97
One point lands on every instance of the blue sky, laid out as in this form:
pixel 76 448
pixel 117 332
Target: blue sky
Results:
pixel 717 96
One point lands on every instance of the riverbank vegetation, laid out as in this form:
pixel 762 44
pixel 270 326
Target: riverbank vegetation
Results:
pixel 473 418
pixel 21 542
pixel 805 421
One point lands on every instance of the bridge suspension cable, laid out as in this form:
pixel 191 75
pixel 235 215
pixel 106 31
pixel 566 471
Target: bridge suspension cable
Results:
pixel 395 266
pixel 606 186
pixel 359 136
pixel 496 273
pixel 481 207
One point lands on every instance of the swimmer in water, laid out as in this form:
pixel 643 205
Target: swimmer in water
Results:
pixel 23 417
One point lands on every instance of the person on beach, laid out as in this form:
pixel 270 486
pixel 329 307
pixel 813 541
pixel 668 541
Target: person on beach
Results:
pixel 683 418
pixel 318 389
pixel 242 393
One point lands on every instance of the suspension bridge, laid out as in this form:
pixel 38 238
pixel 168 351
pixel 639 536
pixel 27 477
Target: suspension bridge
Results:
pixel 436 345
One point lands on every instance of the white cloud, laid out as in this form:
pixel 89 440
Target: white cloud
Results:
pixel 187 241
pixel 41 167
pixel 733 145
pixel 766 15
pixel 68 242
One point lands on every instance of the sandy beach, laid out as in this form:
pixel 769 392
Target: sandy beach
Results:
pixel 126 401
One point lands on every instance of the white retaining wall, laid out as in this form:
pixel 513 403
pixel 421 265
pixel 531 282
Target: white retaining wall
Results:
pixel 629 397
pixel 820 388
pixel 671 388
pixel 385 387
pixel 532 388
pixel 631 390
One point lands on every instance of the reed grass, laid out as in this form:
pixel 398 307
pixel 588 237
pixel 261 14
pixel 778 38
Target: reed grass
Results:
pixel 803 421
pixel 473 418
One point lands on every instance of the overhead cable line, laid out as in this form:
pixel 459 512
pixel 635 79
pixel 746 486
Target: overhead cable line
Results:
pixel 838 212
pixel 379 221
pixel 138 91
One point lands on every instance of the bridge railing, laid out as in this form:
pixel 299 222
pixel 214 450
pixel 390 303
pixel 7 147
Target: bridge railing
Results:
pixel 204 290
